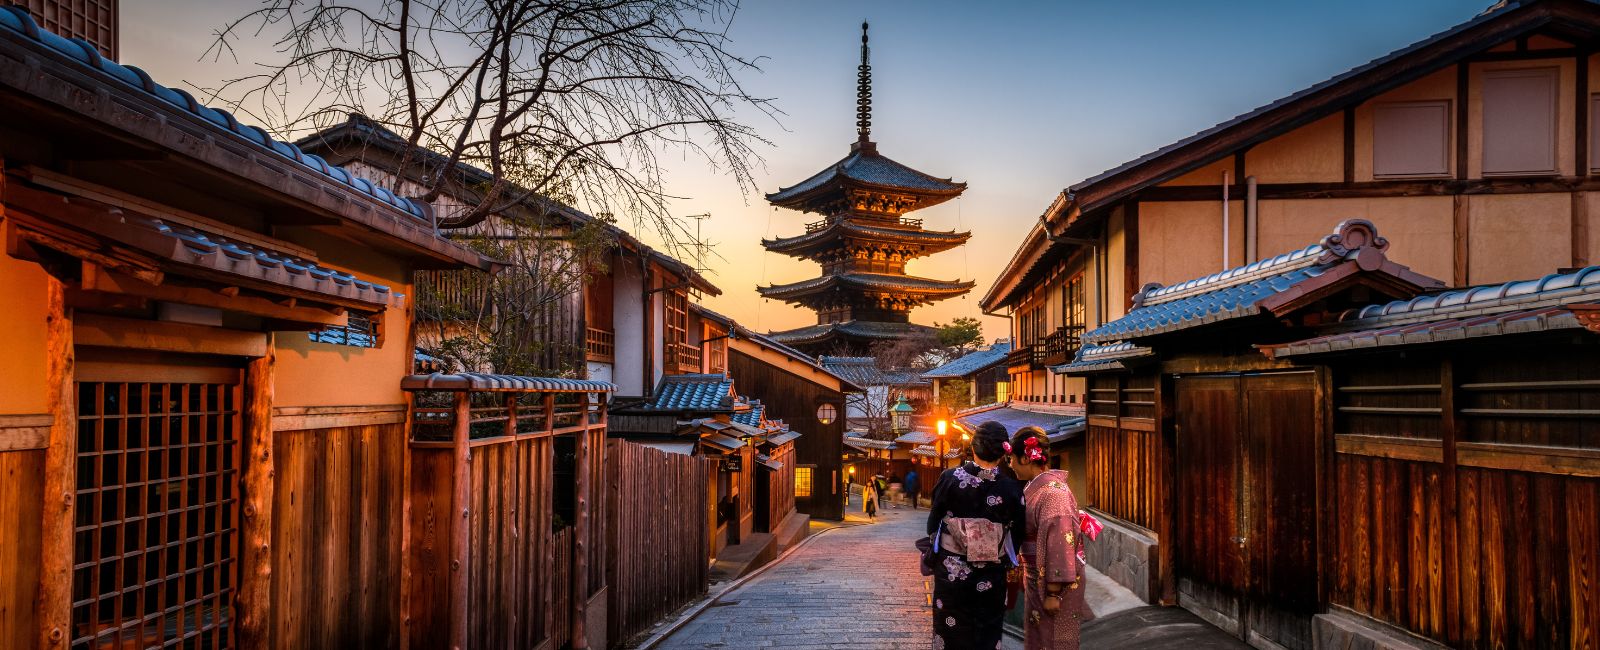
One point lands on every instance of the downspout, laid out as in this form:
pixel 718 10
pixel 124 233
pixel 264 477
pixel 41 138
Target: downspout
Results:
pixel 1225 234
pixel 649 325
pixel 1250 216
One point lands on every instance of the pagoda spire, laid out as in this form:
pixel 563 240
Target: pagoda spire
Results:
pixel 864 91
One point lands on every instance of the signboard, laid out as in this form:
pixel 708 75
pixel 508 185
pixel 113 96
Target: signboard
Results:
pixel 733 463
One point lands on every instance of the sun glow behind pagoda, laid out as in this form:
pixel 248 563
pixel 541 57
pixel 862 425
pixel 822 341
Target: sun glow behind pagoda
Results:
pixel 863 243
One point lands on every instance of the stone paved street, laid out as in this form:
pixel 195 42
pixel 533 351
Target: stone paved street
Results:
pixel 855 587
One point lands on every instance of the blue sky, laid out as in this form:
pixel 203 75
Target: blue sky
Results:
pixel 1018 99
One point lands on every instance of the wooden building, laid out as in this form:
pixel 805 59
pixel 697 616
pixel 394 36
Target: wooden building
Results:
pixel 202 419
pixel 863 243
pixel 981 375
pixel 613 288
pixel 1474 149
pixel 1323 448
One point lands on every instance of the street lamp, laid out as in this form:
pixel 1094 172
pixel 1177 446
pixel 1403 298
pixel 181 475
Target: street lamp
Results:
pixel 900 417
pixel 941 428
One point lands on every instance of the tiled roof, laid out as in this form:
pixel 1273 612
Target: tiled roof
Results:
pixel 767 462
pixel 739 331
pixel 1353 74
pixel 932 240
pixel 725 442
pixel 868 443
pixel 781 438
pixel 1239 292
pixel 1519 307
pixel 693 392
pixel 861 329
pixel 972 363
pixel 477 381
pixel 865 165
pixel 1112 356
pixel 930 450
pixel 864 371
pixel 1056 426
pixel 17 20
pixel 916 438
pixel 867 282
pixel 751 417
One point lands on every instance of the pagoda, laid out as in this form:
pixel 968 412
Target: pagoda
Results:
pixel 863 243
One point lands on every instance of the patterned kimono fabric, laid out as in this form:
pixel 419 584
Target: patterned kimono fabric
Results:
pixel 969 598
pixel 1050 555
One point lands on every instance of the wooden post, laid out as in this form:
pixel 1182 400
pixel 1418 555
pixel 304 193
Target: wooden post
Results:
pixel 460 508
pixel 1449 434
pixel 60 474
pixel 580 545
pixel 254 602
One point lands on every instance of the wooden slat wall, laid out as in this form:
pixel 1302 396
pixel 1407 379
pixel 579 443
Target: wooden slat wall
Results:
pixel 337 515
pixel 1125 474
pixel 1391 542
pixel 21 498
pixel 795 401
pixel 511 486
pixel 656 503
pixel 780 488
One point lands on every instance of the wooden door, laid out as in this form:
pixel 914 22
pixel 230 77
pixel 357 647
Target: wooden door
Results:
pixel 1209 565
pixel 1247 499
pixel 155 554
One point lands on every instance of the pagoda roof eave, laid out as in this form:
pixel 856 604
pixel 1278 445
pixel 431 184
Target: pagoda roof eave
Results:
pixel 927 287
pixel 848 330
pixel 932 241
pixel 864 168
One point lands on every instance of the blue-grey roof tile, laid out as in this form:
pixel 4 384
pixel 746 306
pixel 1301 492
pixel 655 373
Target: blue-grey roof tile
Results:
pixel 971 363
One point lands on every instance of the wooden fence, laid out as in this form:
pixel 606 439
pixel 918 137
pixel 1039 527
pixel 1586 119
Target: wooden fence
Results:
pixel 657 533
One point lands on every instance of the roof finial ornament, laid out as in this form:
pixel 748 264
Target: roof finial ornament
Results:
pixel 864 91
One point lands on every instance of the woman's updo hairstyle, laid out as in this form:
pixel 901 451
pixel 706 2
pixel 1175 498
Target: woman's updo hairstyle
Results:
pixel 1031 446
pixel 989 442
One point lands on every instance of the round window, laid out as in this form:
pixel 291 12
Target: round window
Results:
pixel 827 413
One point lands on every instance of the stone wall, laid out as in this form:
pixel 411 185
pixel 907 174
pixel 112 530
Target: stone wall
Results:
pixel 1126 555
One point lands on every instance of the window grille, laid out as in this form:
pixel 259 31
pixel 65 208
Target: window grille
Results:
pixel 156 519
pixel 802 481
pixel 361 331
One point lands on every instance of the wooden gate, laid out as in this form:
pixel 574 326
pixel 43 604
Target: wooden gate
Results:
pixel 1246 548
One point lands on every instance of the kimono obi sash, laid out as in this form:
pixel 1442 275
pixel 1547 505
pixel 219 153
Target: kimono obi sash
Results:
pixel 977 538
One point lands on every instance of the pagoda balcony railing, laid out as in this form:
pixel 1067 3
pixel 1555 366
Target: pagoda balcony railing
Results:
pixel 901 222
pixel 600 345
pixel 1058 347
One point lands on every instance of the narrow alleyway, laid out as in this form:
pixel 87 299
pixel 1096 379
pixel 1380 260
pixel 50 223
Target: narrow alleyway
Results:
pixel 856 587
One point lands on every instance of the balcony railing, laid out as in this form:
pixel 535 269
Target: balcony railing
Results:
pixel 682 358
pixel 903 223
pixel 1021 356
pixel 1057 347
pixel 600 345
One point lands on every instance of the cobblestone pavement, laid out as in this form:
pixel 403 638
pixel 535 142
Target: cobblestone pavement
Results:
pixel 855 587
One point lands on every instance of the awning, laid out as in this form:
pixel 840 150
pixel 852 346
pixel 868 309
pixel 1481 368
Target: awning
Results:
pixel 1059 427
pixel 781 438
pixel 767 462
pixel 722 442
pixel 931 451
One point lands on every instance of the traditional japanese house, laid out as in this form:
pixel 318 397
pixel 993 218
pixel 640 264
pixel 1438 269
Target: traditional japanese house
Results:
pixel 612 287
pixel 974 379
pixel 202 424
pixel 1322 448
pixel 864 295
pixel 1473 148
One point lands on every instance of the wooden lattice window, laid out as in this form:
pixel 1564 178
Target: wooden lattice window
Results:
pixel 156 535
pixel 802 481
pixel 677 317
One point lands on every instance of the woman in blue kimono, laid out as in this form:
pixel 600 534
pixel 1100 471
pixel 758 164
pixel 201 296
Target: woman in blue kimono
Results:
pixel 976 510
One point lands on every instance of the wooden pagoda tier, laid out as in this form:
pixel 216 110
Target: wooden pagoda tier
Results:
pixel 838 239
pixel 866 184
pixel 848 335
pixel 886 297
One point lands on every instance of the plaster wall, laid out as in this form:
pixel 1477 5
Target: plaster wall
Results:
pixel 1518 236
pixel 1116 252
pixel 22 296
pixel 1311 154
pixel 1419 229
pixel 628 312
pixel 1437 86
pixel 1181 240
pixel 1208 175
pixel 324 374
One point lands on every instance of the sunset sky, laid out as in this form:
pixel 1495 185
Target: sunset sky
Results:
pixel 1017 99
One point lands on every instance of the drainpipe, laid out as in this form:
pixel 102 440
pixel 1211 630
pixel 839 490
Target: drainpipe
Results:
pixel 1250 216
pixel 649 325
pixel 1225 234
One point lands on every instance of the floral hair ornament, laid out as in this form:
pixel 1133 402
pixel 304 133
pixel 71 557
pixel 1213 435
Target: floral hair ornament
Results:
pixel 1007 446
pixel 1032 451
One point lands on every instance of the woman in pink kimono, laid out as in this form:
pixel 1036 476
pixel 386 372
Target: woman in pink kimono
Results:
pixel 1051 552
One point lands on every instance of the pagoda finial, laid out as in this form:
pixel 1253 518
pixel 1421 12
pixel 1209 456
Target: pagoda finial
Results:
pixel 864 91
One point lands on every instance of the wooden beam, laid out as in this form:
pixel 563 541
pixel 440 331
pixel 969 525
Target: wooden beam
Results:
pixel 1448 429
pixel 113 332
pixel 60 473
pixel 580 544
pixel 257 490
pixel 226 298
pixel 25 431
pixel 1580 229
pixel 302 418
pixel 1381 188
pixel 1463 82
pixel 1130 256
pixel 1568 461
pixel 460 520
pixel 1425 450
pixel 1349 146
pixel 1580 115
pixel 1461 225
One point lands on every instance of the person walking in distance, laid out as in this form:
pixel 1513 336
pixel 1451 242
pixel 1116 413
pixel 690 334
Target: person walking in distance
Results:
pixel 975 512
pixel 912 487
pixel 869 500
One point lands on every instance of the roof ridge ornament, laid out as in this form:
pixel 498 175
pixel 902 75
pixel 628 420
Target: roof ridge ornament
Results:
pixel 1354 236
pixel 864 92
